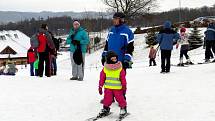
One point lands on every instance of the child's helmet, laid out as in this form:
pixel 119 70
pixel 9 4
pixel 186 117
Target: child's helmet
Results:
pixel 109 55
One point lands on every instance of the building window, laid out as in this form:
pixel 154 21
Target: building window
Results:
pixel 2 37
pixel 8 35
pixel 16 36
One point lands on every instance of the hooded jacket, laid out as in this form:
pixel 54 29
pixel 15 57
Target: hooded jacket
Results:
pixel 81 36
pixel 120 39
pixel 167 37
pixel 210 33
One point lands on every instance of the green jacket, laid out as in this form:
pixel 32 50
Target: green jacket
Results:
pixel 36 64
pixel 82 36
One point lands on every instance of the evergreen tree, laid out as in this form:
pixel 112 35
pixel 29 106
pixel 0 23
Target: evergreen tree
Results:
pixel 195 38
pixel 151 38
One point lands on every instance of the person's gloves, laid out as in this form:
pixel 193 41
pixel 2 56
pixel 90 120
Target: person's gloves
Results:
pixel 124 89
pixel 75 42
pixel 127 63
pixel 103 57
pixel 100 90
pixel 177 45
pixel 72 36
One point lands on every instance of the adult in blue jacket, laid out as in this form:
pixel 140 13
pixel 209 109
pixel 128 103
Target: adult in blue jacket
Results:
pixel 166 39
pixel 209 41
pixel 78 37
pixel 120 39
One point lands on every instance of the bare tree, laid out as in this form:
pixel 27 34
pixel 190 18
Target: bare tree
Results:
pixel 130 8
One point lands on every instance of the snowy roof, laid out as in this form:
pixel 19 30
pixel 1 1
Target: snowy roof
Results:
pixel 15 39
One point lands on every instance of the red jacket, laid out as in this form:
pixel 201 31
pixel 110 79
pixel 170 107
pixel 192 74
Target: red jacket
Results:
pixel 31 56
pixel 42 42
pixel 152 53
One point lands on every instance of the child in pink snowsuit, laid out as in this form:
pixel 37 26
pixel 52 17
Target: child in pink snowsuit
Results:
pixel 112 77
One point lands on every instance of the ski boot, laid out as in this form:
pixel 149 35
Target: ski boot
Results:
pixel 123 111
pixel 104 112
pixel 180 64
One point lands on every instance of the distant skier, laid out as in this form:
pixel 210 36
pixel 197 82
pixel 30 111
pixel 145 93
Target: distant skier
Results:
pixel 183 41
pixel 152 56
pixel 166 39
pixel 113 78
pixel 209 41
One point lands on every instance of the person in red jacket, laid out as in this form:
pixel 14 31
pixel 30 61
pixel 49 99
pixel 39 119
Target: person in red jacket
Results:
pixel 31 58
pixel 112 77
pixel 152 56
pixel 46 44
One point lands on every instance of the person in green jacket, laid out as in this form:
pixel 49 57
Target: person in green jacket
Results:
pixel 78 39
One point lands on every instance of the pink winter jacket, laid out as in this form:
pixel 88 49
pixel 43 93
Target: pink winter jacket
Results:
pixel 152 53
pixel 113 67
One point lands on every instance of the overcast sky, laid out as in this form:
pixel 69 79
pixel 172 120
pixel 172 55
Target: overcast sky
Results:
pixel 86 5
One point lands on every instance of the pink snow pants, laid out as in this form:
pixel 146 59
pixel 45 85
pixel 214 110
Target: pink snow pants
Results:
pixel 118 94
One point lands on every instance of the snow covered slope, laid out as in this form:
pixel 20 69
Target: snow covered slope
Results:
pixel 186 94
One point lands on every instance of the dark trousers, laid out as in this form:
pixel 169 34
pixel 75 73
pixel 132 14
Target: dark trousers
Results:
pixel 165 60
pixel 184 53
pixel 54 66
pixel 44 57
pixel 32 69
pixel 152 60
pixel 36 72
pixel 209 45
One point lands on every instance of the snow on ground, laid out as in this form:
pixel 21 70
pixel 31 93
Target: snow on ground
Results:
pixel 186 94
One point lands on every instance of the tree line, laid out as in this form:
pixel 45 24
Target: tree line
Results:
pixel 62 25
pixel 57 25
pixel 187 14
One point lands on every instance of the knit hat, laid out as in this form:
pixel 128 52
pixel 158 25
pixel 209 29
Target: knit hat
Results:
pixel 167 24
pixel 109 55
pixel 119 15
pixel 76 22
pixel 183 29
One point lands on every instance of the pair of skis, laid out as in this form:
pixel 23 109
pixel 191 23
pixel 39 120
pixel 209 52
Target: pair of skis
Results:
pixel 120 118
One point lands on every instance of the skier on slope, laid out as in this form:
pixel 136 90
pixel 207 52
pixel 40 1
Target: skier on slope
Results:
pixel 113 78
pixel 152 56
pixel 183 41
pixel 210 41
pixel 166 39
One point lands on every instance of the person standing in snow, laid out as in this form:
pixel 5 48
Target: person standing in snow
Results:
pixel 54 55
pixel 31 58
pixel 152 56
pixel 209 41
pixel 166 39
pixel 184 47
pixel 113 78
pixel 120 39
pixel 78 40
pixel 44 48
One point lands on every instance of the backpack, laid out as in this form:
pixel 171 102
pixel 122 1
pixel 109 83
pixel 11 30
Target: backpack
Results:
pixel 34 41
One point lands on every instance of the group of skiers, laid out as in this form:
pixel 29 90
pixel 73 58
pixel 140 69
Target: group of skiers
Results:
pixel 116 57
pixel 168 37
pixel 44 47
